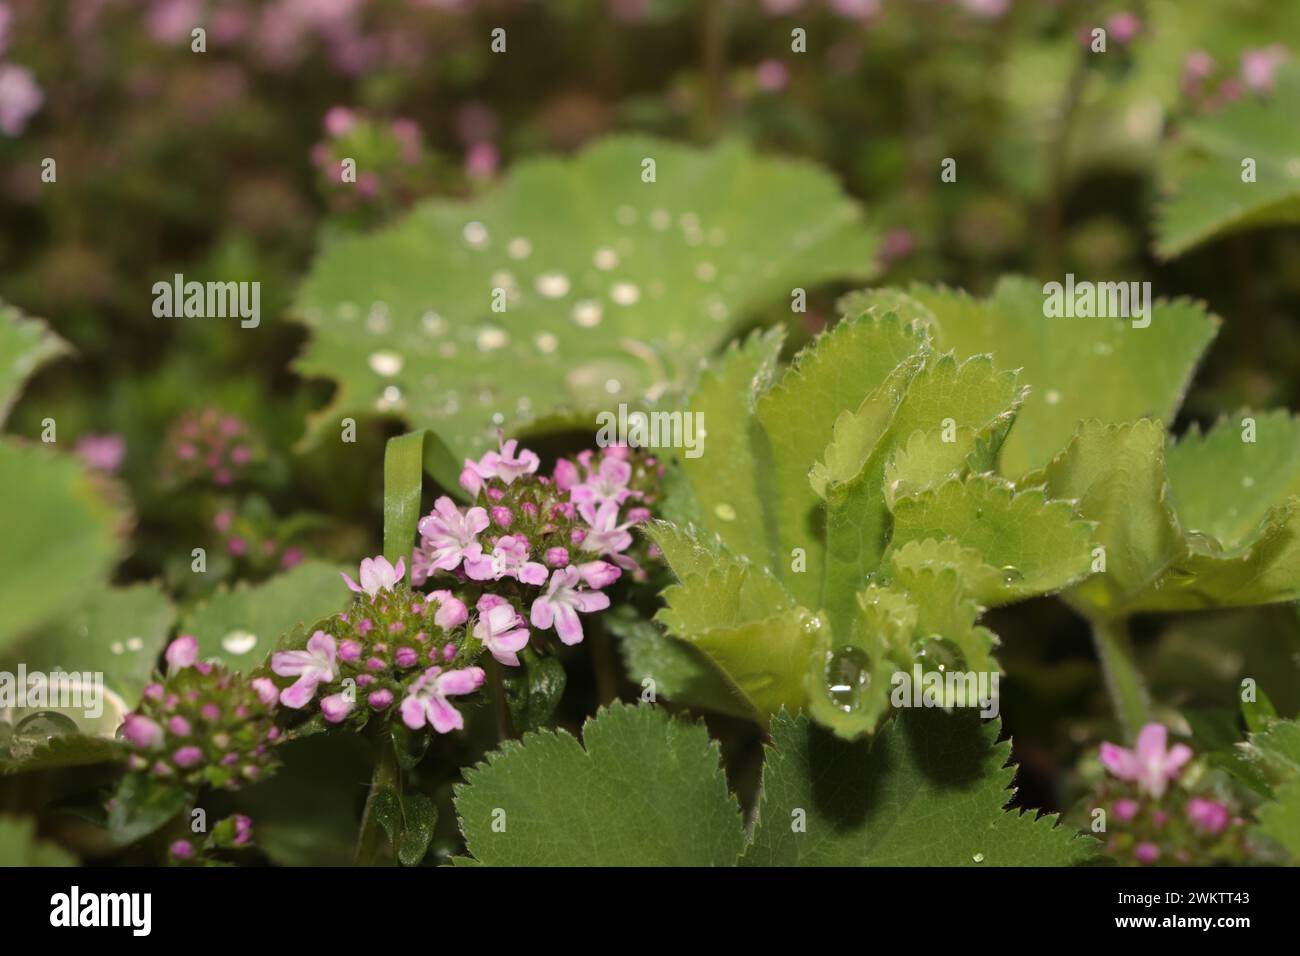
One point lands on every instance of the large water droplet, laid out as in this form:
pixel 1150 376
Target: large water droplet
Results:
pixel 978 857
pixel 1203 541
pixel 46 723
pixel 848 675
pixel 1011 575
pixel 239 642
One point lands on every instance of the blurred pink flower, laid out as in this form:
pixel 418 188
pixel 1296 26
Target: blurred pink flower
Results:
pixel 481 161
pixel 988 9
pixel 338 120
pixel 1123 27
pixel 856 9
pixel 6 22
pixel 170 21
pixel 1196 67
pixel 1258 67
pixel 102 452
pixel 772 75
pixel 20 98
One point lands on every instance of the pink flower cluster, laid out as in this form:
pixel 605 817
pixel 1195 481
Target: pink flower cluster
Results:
pixel 208 445
pixel 530 553
pixel 381 150
pixel 1257 74
pixel 1150 819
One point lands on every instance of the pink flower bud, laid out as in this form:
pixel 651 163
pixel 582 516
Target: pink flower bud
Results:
pixel 187 756
pixel 380 699
pixel 179 726
pixel 182 652
pixel 266 690
pixel 557 557
pixel 139 731
pixel 335 707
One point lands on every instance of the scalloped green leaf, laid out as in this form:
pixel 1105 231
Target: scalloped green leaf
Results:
pixel 1160 515
pixel 928 791
pixel 1076 368
pixel 1037 543
pixel 60 524
pixel 1205 195
pixel 642 789
pixel 614 287
pixel 25 345
pixel 240 626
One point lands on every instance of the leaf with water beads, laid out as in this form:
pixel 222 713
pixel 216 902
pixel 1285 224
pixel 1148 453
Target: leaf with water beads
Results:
pixel 613 288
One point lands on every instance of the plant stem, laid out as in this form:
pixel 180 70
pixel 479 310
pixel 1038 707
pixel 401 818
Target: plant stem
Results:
pixel 370 840
pixel 500 706
pixel 1128 693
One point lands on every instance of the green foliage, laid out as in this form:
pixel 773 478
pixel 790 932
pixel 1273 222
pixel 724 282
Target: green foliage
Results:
pixel 61 526
pixel 642 789
pixel 241 625
pixel 608 279
pixel 1270 761
pixel 1063 361
pixel 1206 196
pixel 25 345
pixel 1174 540
pixel 929 791
pixel 851 522
pixel 19 846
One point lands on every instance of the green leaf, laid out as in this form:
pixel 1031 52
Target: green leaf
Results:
pixel 19 846
pixel 533 691
pixel 799 415
pixel 1174 540
pixel 1038 544
pixel 1279 819
pixel 118 632
pixel 25 345
pixel 406 459
pixel 643 789
pixel 60 528
pixel 681 672
pixel 1206 197
pixel 1064 361
pixel 928 791
pixel 608 279
pixel 142 805
pixel 419 815
pixel 30 753
pixel 240 625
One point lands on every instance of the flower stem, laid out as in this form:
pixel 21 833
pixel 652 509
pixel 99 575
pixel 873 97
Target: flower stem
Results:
pixel 1128 692
pixel 371 838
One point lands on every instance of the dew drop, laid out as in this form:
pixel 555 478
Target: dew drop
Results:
pixel 389 400
pixel 447 349
pixel 587 313
pixel 625 215
pixel 46 723
pixel 134 644
pixel 498 418
pixel 848 675
pixel 519 248
pixel 476 234
pixel 605 259
pixel 725 512
pixel 706 272
pixel 239 642
pixel 613 386
pixel 1012 575
pixel 978 857
pixel 552 285
pixel 625 293
pixel 433 323
pixel 491 338
pixel 1053 397
pixel 385 363
pixel 117 647
pixel 546 342
pixel 660 220
pixel 1248 481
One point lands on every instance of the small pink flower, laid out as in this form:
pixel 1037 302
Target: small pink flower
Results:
pixel 312 667
pixel 509 559
pixel 266 690
pixel 503 465
pixel 427 699
pixel 1259 66
pixel 187 756
pixel 1150 764
pixel 450 536
pixel 1146 852
pixel 380 699
pixel 1126 810
pixel 501 629
pixel 182 653
pixel 102 452
pixel 338 121
pixel 182 849
pixel 604 534
pixel 243 829
pixel 335 708
pixel 139 731
pixel 608 483
pixel 560 605
pixel 1123 27
pixel 451 610
pixel 1210 816
pixel 481 161
pixel 772 76
pixel 376 575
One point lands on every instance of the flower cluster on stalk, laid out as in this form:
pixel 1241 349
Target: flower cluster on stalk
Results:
pixel 1154 812
pixel 202 725
pixel 529 555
